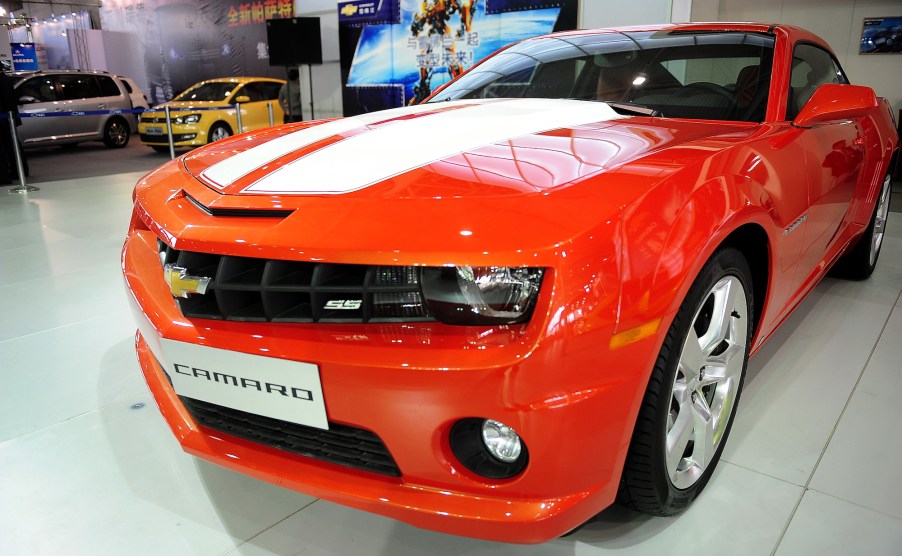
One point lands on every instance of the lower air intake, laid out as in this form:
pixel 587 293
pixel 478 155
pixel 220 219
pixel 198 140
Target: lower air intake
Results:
pixel 341 444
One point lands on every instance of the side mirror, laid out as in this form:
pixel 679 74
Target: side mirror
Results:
pixel 27 100
pixel 242 99
pixel 832 102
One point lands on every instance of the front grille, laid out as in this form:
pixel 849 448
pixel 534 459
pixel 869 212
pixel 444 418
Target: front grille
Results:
pixel 269 290
pixel 341 444
pixel 153 119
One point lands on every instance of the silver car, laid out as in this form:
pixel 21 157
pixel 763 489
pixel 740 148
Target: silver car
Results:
pixel 52 91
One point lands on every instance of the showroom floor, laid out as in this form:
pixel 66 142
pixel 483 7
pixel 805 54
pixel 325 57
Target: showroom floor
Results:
pixel 87 465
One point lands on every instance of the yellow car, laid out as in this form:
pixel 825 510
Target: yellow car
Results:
pixel 192 127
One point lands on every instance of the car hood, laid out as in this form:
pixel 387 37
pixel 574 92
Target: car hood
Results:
pixel 472 149
pixel 511 176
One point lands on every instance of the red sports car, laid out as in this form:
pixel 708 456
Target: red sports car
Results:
pixel 494 313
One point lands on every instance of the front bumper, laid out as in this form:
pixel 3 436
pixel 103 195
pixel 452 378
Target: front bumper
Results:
pixel 572 401
pixel 183 135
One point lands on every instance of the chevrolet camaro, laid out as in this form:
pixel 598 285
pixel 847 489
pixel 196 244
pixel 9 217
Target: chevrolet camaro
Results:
pixel 499 311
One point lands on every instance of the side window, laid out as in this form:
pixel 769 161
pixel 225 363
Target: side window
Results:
pixel 811 67
pixel 108 87
pixel 42 89
pixel 251 90
pixel 722 71
pixel 239 92
pixel 75 87
pixel 270 90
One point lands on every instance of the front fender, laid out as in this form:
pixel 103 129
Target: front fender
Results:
pixel 670 234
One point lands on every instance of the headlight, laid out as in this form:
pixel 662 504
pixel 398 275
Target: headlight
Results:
pixel 188 119
pixel 475 295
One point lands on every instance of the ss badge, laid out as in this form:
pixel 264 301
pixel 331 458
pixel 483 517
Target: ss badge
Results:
pixel 343 304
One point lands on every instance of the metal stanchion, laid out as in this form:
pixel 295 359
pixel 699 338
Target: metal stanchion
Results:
pixel 310 79
pixel 238 115
pixel 169 133
pixel 23 187
pixel 269 109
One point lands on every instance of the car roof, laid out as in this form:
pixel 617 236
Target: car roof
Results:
pixel 29 73
pixel 791 32
pixel 237 80
pixel 20 75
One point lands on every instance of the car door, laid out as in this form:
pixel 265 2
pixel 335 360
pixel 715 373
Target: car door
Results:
pixel 834 157
pixel 38 96
pixel 80 93
pixel 113 96
pixel 270 92
pixel 254 112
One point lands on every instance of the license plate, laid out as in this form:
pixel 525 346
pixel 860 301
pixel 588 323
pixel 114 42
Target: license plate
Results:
pixel 277 388
pixel 154 131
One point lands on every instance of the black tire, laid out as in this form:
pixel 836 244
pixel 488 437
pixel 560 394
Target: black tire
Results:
pixel 647 484
pixel 116 133
pixel 218 131
pixel 160 149
pixel 860 261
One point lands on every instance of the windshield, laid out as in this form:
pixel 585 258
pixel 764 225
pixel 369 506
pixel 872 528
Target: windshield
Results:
pixel 705 75
pixel 208 91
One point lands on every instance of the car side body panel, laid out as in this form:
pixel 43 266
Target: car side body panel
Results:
pixel 55 130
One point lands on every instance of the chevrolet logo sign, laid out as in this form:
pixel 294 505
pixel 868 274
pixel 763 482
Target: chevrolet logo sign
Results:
pixel 349 10
pixel 180 284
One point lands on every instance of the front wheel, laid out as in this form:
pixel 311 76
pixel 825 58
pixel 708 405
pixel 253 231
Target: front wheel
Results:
pixel 219 131
pixel 693 391
pixel 116 133
pixel 859 262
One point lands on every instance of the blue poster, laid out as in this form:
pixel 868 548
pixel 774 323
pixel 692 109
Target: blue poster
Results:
pixel 403 50
pixel 25 57
pixel 881 35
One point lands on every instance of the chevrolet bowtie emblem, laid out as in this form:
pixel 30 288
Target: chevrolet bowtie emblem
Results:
pixel 349 10
pixel 180 284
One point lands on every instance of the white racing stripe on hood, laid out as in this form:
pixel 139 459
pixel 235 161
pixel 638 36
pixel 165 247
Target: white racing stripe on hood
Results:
pixel 403 145
pixel 224 173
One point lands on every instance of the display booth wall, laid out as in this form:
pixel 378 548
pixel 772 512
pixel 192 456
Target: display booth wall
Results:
pixel 182 43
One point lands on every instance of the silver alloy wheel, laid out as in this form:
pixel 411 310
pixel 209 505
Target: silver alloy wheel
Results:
pixel 117 133
pixel 707 381
pixel 880 220
pixel 218 132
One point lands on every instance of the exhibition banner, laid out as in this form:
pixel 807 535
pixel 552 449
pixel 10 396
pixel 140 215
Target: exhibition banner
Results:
pixel 25 56
pixel 181 43
pixel 368 12
pixel 396 52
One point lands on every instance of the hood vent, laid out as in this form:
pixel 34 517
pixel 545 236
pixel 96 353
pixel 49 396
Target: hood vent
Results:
pixel 242 212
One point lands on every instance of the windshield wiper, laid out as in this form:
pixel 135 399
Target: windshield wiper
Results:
pixel 633 108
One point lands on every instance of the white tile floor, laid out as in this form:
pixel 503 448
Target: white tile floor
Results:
pixel 87 465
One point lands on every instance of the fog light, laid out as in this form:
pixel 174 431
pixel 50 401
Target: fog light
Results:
pixel 501 440
pixel 488 448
